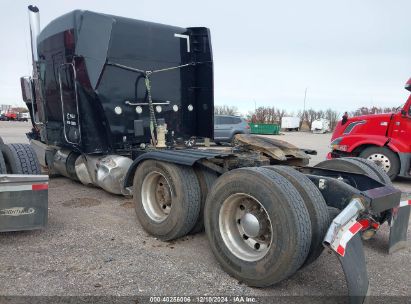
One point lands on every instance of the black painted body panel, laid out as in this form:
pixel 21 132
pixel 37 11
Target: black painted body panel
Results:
pixel 78 46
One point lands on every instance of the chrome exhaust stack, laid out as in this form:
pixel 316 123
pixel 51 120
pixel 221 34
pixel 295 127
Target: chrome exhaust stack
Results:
pixel 34 20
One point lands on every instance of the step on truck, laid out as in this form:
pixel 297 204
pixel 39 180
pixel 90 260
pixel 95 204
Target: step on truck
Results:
pixel 384 139
pixel 114 100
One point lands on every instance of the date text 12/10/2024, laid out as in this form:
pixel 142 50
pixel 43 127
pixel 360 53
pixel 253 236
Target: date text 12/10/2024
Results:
pixel 203 299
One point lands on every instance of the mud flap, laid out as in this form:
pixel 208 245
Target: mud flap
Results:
pixel 344 239
pixel 355 270
pixel 399 220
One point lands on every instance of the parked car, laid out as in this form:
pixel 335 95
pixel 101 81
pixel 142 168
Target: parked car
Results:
pixel 226 126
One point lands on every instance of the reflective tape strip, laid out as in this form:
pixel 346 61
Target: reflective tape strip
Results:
pixel 34 187
pixel 38 187
pixel 405 203
pixel 345 235
pixel 355 228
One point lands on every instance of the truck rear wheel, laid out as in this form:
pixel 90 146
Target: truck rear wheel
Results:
pixel 384 158
pixel 206 179
pixel 167 199
pixel 316 206
pixel 3 169
pixel 20 159
pixel 258 226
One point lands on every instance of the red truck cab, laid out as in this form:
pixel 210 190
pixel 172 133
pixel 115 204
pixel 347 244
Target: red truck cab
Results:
pixel 382 138
pixel 10 115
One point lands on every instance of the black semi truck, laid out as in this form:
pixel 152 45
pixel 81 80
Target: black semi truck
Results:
pixel 114 102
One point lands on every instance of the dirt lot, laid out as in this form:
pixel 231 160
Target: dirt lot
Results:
pixel 94 246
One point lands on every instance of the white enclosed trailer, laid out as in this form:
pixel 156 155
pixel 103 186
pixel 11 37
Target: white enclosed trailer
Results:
pixel 320 126
pixel 290 123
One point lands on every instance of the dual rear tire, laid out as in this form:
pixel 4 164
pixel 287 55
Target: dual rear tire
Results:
pixel 263 224
pixel 258 226
pixel 18 159
pixel 167 199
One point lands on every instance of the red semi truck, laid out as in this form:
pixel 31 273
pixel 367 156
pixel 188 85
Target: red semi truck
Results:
pixel 11 115
pixel 382 138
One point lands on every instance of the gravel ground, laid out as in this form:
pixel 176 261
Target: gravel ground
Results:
pixel 93 245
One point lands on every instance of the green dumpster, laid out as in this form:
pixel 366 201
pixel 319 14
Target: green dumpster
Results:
pixel 259 128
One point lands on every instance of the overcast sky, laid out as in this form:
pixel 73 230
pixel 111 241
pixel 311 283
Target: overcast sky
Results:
pixel 347 53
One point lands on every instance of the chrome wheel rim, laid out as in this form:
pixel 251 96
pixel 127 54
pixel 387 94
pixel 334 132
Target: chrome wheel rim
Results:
pixel 156 196
pixel 245 227
pixel 381 160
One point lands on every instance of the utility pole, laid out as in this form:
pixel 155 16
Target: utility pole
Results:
pixel 305 97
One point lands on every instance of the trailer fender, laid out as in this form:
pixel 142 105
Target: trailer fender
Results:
pixel 186 157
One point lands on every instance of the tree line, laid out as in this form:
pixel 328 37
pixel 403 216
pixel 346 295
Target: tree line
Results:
pixel 273 115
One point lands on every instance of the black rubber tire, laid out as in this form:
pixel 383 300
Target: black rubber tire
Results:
pixel 395 162
pixel 186 200
pixel 349 165
pixel 333 212
pixel 3 169
pixel 1 141
pixel 316 206
pixel 20 159
pixel 292 227
pixel 384 178
pixel 206 179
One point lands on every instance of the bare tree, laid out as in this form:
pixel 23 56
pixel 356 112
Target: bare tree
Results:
pixel 310 116
pixel 320 114
pixel 280 114
pixel 332 116
pixel 20 109
pixel 372 110
pixel 268 115
pixel 225 110
pixel 302 116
